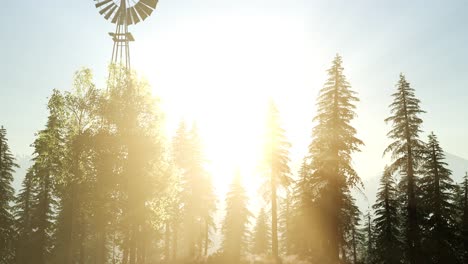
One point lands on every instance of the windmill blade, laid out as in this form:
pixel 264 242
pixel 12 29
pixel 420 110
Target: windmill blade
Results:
pixel 107 16
pixel 123 14
pixel 141 12
pixel 146 8
pixel 118 15
pixel 105 9
pixel 150 3
pixel 129 17
pixel 134 15
pixel 103 3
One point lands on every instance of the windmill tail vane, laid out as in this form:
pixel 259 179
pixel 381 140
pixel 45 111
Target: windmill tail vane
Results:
pixel 124 13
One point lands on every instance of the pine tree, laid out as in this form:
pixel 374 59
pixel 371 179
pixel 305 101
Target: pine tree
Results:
pixel 7 168
pixel 368 242
pixel 235 225
pixel 303 233
pixel 79 111
pixel 352 236
pixel 405 151
pixel 23 217
pixel 464 219
pixel 333 142
pixel 278 169
pixel 437 198
pixel 286 223
pixel 261 234
pixel 387 223
pixel 198 198
pixel 180 156
pixel 204 190
pixel 48 154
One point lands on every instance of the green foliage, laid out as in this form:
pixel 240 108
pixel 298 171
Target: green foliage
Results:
pixel 437 188
pixel 7 168
pixel 331 174
pixel 106 187
pixel 388 245
pixel 463 221
pixel 406 150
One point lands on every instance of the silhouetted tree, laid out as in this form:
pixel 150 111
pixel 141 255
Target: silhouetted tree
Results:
pixel 368 242
pixel 406 151
pixel 352 235
pixel 7 196
pixel 464 218
pixel 386 223
pixel 437 199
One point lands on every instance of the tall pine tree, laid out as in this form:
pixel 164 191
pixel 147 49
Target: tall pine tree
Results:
pixel 278 169
pixel 48 154
pixel 7 196
pixel 405 152
pixel 333 142
pixel 438 206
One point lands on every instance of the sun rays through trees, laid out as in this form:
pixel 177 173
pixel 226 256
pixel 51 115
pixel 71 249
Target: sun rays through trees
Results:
pixel 110 184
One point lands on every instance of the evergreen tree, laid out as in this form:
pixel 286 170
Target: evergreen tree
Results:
pixel 303 232
pixel 387 223
pixel 333 142
pixel 23 214
pixel 180 156
pixel 368 242
pixel 48 153
pixel 261 234
pixel 73 188
pixel 437 198
pixel 352 235
pixel 277 159
pixel 7 196
pixel 235 225
pixel 286 223
pixel 204 190
pixel 198 198
pixel 405 151
pixel 464 219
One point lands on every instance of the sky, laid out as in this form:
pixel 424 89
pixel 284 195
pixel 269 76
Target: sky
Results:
pixel 216 62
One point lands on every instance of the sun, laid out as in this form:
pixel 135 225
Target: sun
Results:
pixel 221 76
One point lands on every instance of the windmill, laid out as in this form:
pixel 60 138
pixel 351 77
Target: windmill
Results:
pixel 124 13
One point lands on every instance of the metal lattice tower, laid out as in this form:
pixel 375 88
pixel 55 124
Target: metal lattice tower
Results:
pixel 124 13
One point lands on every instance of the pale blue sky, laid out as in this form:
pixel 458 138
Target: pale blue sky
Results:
pixel 44 42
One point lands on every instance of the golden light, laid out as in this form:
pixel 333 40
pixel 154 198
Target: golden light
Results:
pixel 221 75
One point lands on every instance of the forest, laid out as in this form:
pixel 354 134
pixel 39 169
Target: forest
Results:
pixel 106 185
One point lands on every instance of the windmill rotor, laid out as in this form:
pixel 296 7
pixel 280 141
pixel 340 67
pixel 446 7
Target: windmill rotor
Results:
pixel 126 12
